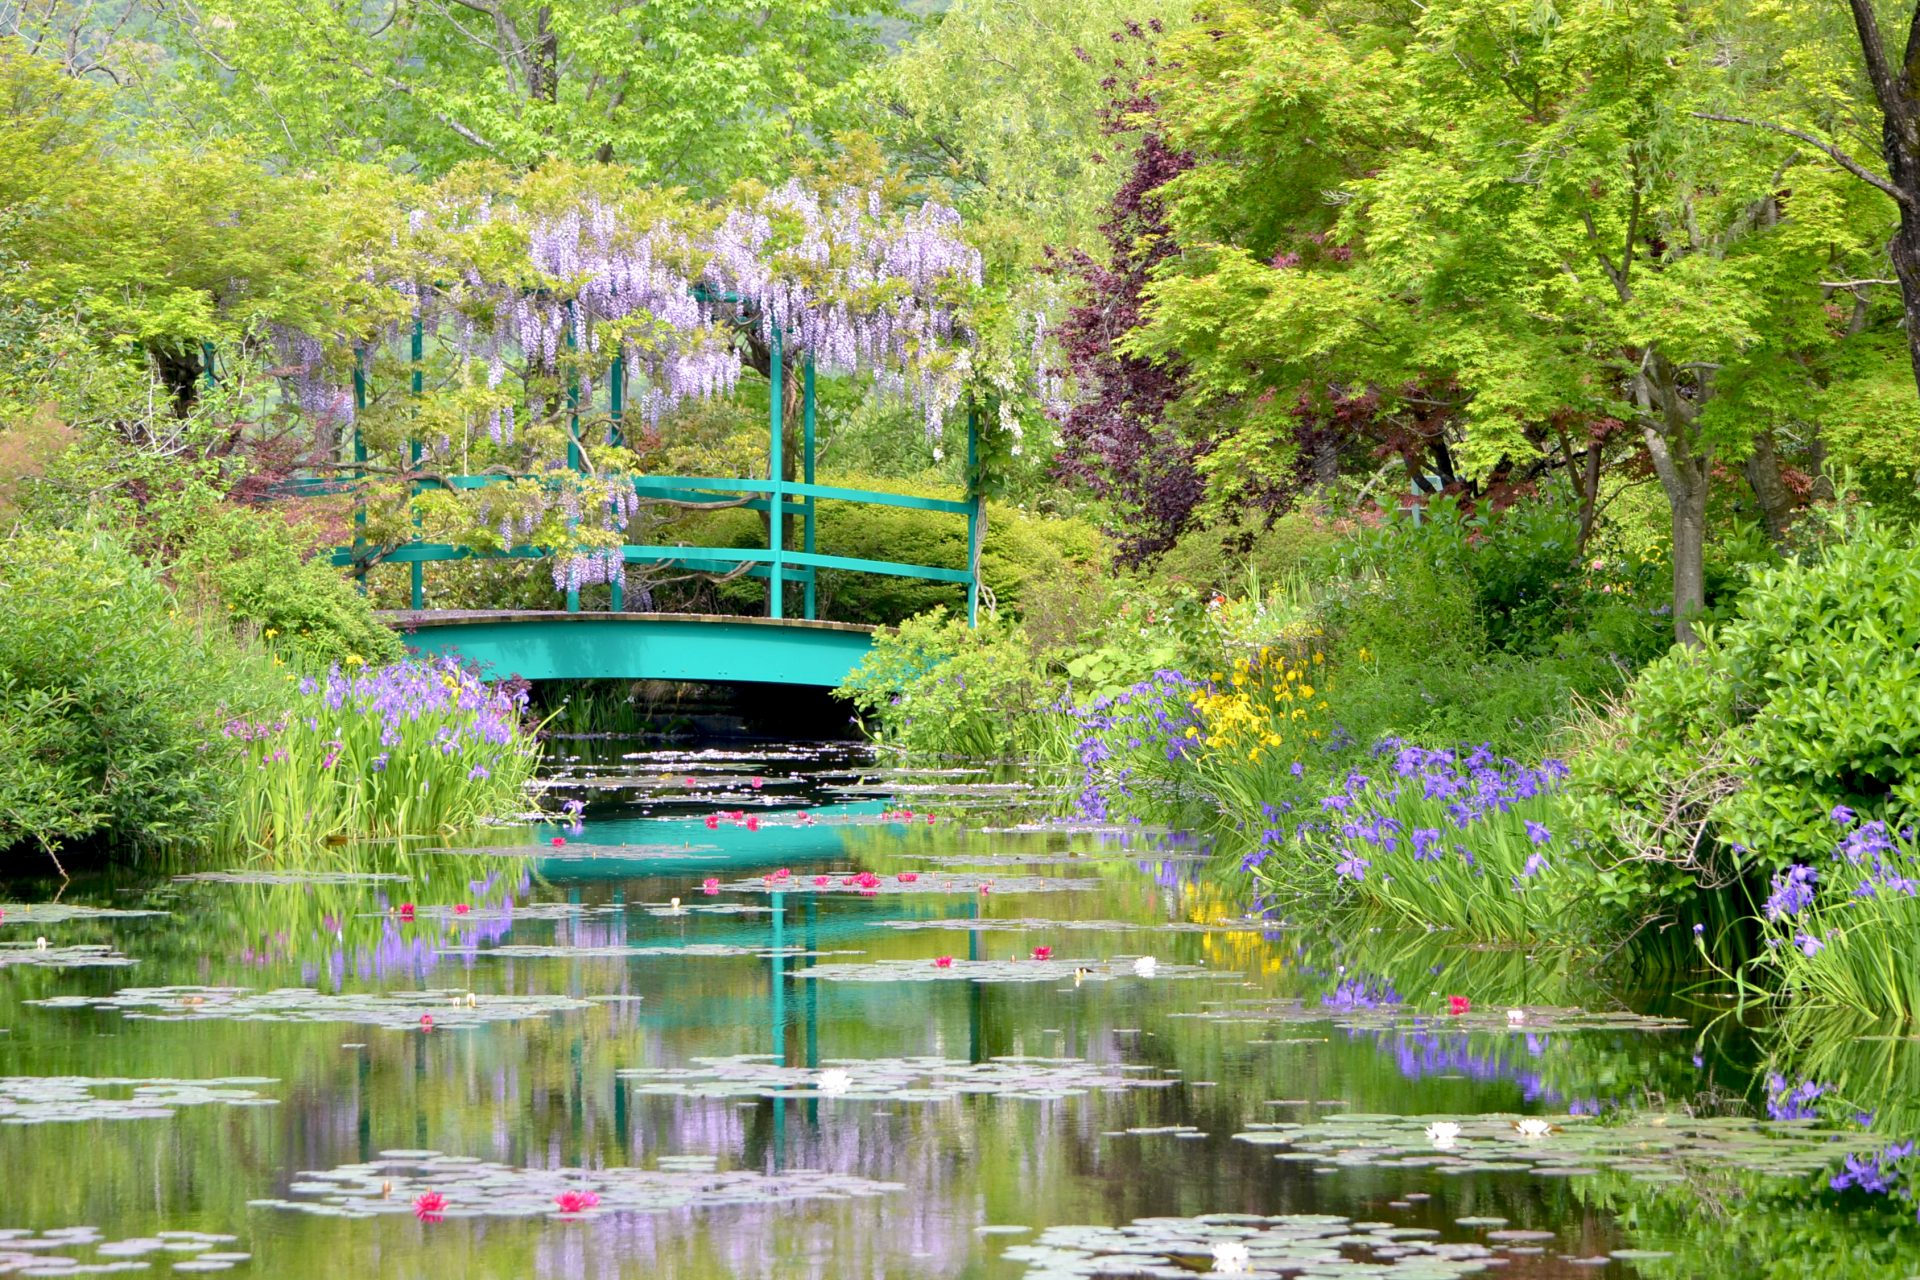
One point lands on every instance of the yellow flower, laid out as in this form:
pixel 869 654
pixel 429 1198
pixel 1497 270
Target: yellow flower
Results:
pixel 355 660
pixel 1318 658
pixel 1306 691
pixel 271 632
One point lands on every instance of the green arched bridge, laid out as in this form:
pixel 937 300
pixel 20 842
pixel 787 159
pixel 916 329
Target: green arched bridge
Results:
pixel 557 645
pixel 571 644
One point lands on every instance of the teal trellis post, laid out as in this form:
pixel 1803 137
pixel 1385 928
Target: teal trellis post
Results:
pixel 776 493
pixel 360 461
pixel 414 453
pixel 573 438
pixel 976 517
pixel 616 402
pixel 206 364
pixel 807 416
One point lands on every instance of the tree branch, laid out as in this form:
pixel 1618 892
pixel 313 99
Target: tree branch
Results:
pixel 1838 156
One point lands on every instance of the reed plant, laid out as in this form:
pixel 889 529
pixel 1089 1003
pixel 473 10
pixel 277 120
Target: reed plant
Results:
pixel 420 747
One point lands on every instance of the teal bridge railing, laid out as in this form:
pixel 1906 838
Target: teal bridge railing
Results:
pixel 776 496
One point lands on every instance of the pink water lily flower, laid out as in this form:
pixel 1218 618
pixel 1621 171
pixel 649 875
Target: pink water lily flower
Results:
pixel 822 881
pixel 429 1206
pixel 867 880
pixel 753 824
pixel 758 783
pixel 577 1201
pixel 782 874
pixel 406 911
pixel 1043 953
pixel 558 841
pixel 426 1022
pixel 943 962
pixel 461 908
pixel 710 885
pixel 907 877
pixel 713 822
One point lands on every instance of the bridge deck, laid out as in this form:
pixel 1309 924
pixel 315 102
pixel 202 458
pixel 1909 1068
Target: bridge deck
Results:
pixel 540 644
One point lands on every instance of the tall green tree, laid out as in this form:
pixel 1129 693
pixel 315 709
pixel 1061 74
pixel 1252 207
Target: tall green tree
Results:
pixel 1512 210
pixel 691 93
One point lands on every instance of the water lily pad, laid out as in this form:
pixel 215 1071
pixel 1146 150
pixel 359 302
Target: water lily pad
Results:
pixel 1056 970
pixel 926 882
pixel 395 1009
pixel 75 957
pixel 1029 924
pixel 668 910
pixel 288 877
pixel 1395 1015
pixel 61 912
pixel 484 1189
pixel 1285 1245
pixel 52 1099
pixel 697 949
pixel 921 1079
pixel 75 1251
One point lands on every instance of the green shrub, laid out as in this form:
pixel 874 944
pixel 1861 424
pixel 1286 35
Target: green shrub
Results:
pixel 111 699
pixel 251 563
pixel 1725 760
pixel 1228 557
pixel 936 685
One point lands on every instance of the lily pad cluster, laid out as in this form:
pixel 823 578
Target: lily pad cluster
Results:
pixel 921 883
pixel 1028 924
pixel 288 877
pixel 473 1188
pixel 87 956
pixel 957 970
pixel 395 1009
pixel 1300 1244
pixel 1651 1147
pixel 62 912
pixel 668 910
pixel 614 952
pixel 1393 1015
pixel 916 1079
pixel 73 1251
pixel 56 1099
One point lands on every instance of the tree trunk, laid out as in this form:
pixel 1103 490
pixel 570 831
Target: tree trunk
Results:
pixel 1898 97
pixel 1762 469
pixel 543 59
pixel 1683 475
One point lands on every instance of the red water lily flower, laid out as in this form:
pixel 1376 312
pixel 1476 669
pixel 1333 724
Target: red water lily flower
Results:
pixel 822 881
pixel 867 880
pixel 1457 1005
pixel 782 874
pixel 426 1022
pixel 1043 953
pixel 429 1206
pixel 577 1201
pixel 713 822
pixel 907 877
pixel 558 841
pixel 461 908
pixel 710 885
pixel 406 911
pixel 689 781
pixel 943 962
pixel 753 824
pixel 929 819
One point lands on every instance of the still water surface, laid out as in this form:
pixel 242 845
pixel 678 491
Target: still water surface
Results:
pixel 542 1014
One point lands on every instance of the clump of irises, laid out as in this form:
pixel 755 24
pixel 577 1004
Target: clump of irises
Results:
pixel 415 748
pixel 1129 746
pixel 1463 840
pixel 1846 934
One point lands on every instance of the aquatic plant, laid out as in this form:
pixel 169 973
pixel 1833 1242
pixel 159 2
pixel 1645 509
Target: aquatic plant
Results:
pixel 395 1009
pixel 1845 935
pixel 917 1079
pixel 418 747
pixel 51 1099
pixel 1247 1244
pixel 1464 841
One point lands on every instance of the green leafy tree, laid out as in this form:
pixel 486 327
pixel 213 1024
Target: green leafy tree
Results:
pixel 699 94
pixel 1505 214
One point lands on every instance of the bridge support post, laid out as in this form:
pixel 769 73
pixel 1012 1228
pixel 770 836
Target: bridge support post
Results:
pixel 360 474
pixel 418 574
pixel 776 495
pixel 976 517
pixel 616 404
pixel 807 416
pixel 573 441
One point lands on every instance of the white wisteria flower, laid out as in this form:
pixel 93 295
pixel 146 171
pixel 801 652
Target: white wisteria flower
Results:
pixel 1443 1133
pixel 834 1080
pixel 1232 1258
pixel 1146 966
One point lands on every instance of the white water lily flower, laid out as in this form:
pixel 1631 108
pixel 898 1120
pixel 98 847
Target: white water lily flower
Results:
pixel 1516 1016
pixel 1232 1258
pixel 40 944
pixel 1533 1127
pixel 834 1080
pixel 673 904
pixel 1146 966
pixel 1442 1133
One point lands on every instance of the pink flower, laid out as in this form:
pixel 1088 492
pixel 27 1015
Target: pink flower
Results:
pixel 867 880
pixel 1043 953
pixel 753 824
pixel 907 877
pixel 822 881
pixel 710 885
pixel 558 841
pixel 426 1022
pixel 929 819
pixel 689 781
pixel 713 822
pixel 461 908
pixel 577 1201
pixel 1457 1005
pixel 782 874
pixel 429 1206
pixel 943 962
pixel 406 911
pixel 757 782
pixel 987 887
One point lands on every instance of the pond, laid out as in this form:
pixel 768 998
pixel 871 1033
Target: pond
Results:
pixel 782 1012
